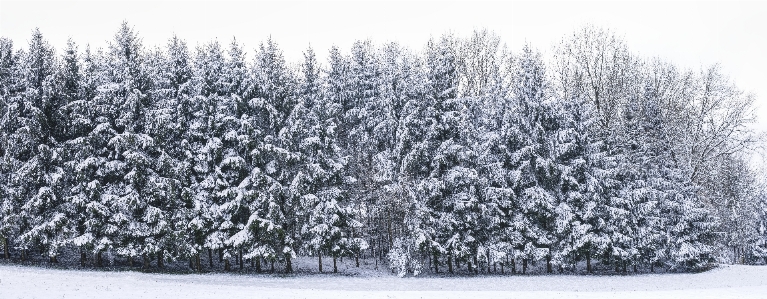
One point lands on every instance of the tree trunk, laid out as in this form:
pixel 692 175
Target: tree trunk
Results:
pixel 468 266
pixel 198 262
pixel 335 267
pixel 23 255
pixel 548 264
pixel 272 266
pixel 524 266
pixel 319 257
pixel 99 262
pixel 436 262
pixel 220 255
pixel 6 252
pixel 227 266
pixel 145 260
pixel 160 259
pixel 82 257
pixel 514 266
pixel 458 263
pixel 624 267
pixel 130 261
pixel 239 258
pixel 588 262
pixel 357 260
pixel 258 264
pixel 652 267
pixel 635 268
pixel 288 265
pixel 476 265
pixel 450 263
pixel 488 260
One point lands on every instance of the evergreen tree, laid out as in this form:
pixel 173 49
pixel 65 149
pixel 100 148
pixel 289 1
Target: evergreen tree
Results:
pixel 10 80
pixel 38 180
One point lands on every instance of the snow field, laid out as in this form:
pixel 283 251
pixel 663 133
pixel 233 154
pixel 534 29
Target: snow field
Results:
pixel 725 282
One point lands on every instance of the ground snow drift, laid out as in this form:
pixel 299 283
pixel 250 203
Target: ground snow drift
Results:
pixel 724 282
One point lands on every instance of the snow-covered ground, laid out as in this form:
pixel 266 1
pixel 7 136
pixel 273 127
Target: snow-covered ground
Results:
pixel 32 282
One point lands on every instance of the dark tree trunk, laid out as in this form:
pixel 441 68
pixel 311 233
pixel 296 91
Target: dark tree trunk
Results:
pixel 220 255
pixel 6 252
pixel 476 265
pixel 436 262
pixel 357 260
pixel 588 261
pixel 458 263
pixel 239 258
pixel 227 266
pixel 99 262
pixel 468 266
pixel 450 263
pixel 210 258
pixel 524 266
pixel 288 264
pixel 82 257
pixel 319 257
pixel 652 267
pixel 258 264
pixel 272 266
pixel 514 266
pixel 198 262
pixel 145 260
pixel 548 264
pixel 635 268
pixel 335 267
pixel 488 260
pixel 160 259
pixel 130 261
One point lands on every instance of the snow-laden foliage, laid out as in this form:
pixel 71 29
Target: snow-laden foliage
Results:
pixel 461 158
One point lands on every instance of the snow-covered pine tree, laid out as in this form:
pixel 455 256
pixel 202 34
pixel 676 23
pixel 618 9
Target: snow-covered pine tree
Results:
pixel 135 188
pixel 528 125
pixel 269 204
pixel 449 194
pixel 424 130
pixel 10 84
pixel 38 180
pixel 170 119
pixel 231 162
pixel 326 216
pixel 360 115
pixel 86 152
pixel 203 136
pixel 171 73
pixel 77 125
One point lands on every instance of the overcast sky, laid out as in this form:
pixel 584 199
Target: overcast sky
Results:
pixel 690 34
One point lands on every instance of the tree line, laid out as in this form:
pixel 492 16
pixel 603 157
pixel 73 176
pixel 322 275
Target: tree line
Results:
pixel 463 155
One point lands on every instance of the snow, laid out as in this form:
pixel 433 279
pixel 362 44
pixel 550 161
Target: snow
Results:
pixel 30 282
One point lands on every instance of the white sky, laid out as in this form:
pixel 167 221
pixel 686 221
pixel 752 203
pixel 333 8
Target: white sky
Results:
pixel 690 34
